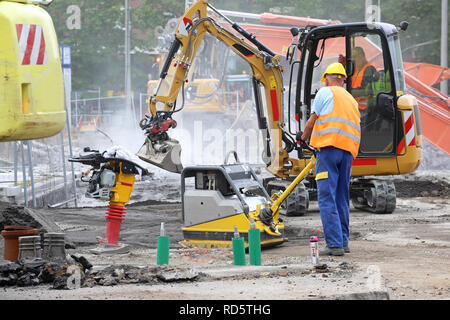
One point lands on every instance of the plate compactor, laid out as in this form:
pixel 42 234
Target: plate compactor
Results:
pixel 226 196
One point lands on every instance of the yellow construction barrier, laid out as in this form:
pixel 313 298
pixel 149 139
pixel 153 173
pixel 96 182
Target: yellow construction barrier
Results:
pixel 31 81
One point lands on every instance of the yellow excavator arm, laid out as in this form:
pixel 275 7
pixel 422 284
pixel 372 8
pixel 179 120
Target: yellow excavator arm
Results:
pixel 267 70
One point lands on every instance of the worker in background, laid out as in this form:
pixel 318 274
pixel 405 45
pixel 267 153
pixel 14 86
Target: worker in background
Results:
pixel 154 69
pixel 363 75
pixel 334 129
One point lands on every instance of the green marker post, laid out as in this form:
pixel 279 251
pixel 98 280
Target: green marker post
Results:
pixel 162 253
pixel 254 244
pixel 238 248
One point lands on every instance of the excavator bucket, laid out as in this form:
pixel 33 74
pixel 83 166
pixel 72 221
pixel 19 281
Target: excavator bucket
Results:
pixel 246 115
pixel 164 154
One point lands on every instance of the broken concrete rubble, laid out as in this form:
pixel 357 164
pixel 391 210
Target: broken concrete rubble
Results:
pixel 123 274
pixel 175 274
pixel 83 261
pixel 78 272
pixel 35 271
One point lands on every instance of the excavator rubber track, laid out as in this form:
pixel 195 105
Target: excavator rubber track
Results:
pixel 297 203
pixel 377 196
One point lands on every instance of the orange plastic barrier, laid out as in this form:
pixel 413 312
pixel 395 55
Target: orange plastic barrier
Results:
pixel 430 74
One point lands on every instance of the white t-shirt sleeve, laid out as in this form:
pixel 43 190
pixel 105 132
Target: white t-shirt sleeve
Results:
pixel 323 102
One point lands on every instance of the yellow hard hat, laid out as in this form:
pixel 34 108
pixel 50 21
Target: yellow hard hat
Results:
pixel 334 68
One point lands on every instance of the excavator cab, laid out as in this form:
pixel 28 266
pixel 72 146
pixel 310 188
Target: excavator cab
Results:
pixel 390 121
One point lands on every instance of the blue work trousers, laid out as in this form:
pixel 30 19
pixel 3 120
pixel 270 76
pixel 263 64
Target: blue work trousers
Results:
pixel 333 194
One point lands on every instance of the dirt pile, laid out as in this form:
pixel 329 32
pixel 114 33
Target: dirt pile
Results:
pixel 418 186
pixel 12 215
pixel 410 189
pixel 16 216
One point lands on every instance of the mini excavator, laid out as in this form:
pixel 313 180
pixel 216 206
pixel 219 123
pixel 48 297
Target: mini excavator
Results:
pixel 391 141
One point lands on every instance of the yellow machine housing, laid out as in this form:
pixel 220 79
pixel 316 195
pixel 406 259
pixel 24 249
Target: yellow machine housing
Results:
pixel 31 81
pixel 224 197
pixel 121 192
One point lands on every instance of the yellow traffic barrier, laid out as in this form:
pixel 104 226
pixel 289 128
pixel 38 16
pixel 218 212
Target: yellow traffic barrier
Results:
pixel 31 81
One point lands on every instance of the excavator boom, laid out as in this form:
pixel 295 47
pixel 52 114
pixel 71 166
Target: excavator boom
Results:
pixel 267 70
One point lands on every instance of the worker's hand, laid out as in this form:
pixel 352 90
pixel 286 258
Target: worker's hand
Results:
pixel 342 60
pixel 298 137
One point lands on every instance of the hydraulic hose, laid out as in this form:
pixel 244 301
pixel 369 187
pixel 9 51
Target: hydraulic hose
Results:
pixel 172 51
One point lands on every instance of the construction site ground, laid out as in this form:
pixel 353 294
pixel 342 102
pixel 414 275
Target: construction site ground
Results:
pixel 403 255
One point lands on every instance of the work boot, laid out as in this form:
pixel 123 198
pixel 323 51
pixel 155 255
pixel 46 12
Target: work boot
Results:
pixel 338 251
pixel 346 249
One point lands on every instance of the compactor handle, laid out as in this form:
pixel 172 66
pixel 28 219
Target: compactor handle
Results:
pixel 302 143
pixel 306 146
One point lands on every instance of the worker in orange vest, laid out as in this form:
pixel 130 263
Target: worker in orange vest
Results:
pixel 334 129
pixel 363 75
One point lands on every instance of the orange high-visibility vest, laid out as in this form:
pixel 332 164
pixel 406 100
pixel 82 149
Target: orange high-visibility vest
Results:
pixel 340 128
pixel 357 82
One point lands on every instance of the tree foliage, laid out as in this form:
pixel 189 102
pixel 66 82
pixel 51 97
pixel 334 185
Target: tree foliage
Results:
pixel 98 46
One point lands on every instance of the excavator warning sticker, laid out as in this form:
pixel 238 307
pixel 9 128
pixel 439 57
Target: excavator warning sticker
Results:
pixel 31 44
pixel 273 82
pixel 185 26
pixel 274 98
pixel 409 128
pixel 409 138
pixel 274 101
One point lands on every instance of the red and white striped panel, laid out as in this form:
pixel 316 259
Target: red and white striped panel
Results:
pixel 410 133
pixel 31 44
pixel 185 26
pixel 409 128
